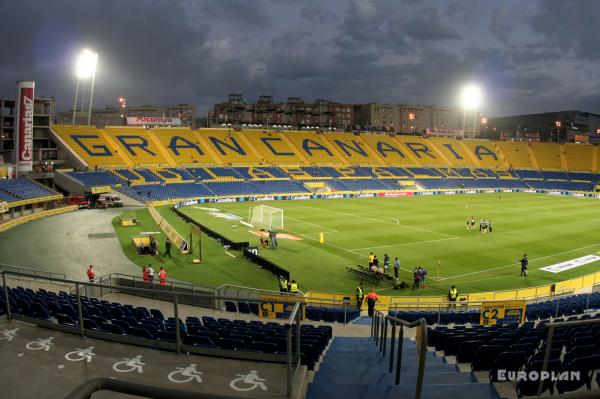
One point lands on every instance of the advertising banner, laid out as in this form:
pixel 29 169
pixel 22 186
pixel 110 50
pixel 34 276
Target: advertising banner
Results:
pixel 24 125
pixel 152 120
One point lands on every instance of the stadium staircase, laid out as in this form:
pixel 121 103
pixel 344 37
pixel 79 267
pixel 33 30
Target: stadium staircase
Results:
pixel 354 368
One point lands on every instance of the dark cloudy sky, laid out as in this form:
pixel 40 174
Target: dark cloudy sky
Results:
pixel 529 56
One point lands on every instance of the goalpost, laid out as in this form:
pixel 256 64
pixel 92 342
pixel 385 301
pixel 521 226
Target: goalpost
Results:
pixel 266 217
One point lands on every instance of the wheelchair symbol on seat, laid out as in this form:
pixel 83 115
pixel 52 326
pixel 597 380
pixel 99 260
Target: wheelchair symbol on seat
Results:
pixel 81 354
pixel 187 374
pixel 248 382
pixel 127 365
pixel 40 344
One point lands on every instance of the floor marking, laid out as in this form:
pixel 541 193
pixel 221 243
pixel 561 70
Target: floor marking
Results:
pixel 187 374
pixel 81 354
pixel 130 364
pixel 250 380
pixel 516 263
pixel 408 243
pixel 230 254
pixel 40 344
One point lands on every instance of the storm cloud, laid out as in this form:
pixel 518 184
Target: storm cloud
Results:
pixel 528 56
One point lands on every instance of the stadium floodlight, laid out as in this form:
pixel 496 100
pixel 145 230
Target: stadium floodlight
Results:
pixel 85 70
pixel 86 64
pixel 470 97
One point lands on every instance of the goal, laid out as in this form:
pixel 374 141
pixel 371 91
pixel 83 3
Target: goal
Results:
pixel 267 217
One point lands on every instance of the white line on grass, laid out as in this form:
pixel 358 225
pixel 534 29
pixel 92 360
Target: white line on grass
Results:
pixel 380 220
pixel 313 224
pixel 230 254
pixel 516 263
pixel 408 243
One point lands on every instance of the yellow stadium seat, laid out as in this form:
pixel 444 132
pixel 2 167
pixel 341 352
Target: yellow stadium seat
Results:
pixel 389 150
pixel 91 145
pixel 547 155
pixel 486 153
pixel 274 147
pixel 183 146
pixel 297 173
pixel 353 148
pixel 230 146
pixel 516 154
pixel 579 157
pixel 314 148
pixel 452 150
pixel 422 150
pixel 138 145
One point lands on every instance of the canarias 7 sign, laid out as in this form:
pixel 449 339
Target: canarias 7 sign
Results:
pixel 508 312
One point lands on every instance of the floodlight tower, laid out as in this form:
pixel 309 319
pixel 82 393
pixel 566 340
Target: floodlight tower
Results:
pixel 470 98
pixel 85 70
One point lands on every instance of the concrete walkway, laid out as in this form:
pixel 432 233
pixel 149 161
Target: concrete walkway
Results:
pixel 67 244
pixel 38 362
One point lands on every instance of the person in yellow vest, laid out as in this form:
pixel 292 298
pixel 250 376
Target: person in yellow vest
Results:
pixel 360 296
pixel 283 284
pixel 294 287
pixel 371 259
pixel 453 295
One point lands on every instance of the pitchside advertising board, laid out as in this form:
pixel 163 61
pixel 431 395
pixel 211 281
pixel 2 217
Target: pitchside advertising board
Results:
pixel 24 136
pixel 508 312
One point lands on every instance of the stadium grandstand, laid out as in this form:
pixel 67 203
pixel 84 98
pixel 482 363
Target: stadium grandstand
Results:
pixel 182 163
pixel 316 341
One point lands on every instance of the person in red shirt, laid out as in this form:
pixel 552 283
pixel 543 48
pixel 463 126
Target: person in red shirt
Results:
pixel 145 274
pixel 91 274
pixel 162 276
pixel 372 298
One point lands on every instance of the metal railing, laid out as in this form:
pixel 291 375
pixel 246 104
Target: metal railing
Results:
pixel 35 272
pixel 551 326
pixel 379 333
pixel 292 370
pixel 441 307
pixel 291 360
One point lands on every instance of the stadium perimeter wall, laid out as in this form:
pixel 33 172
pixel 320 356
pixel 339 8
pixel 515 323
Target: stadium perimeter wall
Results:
pixel 34 216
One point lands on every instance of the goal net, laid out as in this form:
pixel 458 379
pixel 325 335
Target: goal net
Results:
pixel 267 217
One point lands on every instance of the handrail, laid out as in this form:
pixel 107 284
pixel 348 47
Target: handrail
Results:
pixel 379 332
pixel 6 265
pixel 551 326
pixel 87 389
pixel 291 376
pixel 165 292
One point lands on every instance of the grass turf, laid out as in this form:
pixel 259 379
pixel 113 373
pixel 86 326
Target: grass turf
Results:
pixel 423 230
pixel 217 266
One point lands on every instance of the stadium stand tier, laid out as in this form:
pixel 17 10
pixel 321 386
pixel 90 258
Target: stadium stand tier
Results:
pixel 222 162
pixel 152 325
pixel 12 190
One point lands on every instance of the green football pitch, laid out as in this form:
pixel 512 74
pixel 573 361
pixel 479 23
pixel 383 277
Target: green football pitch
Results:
pixel 420 230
